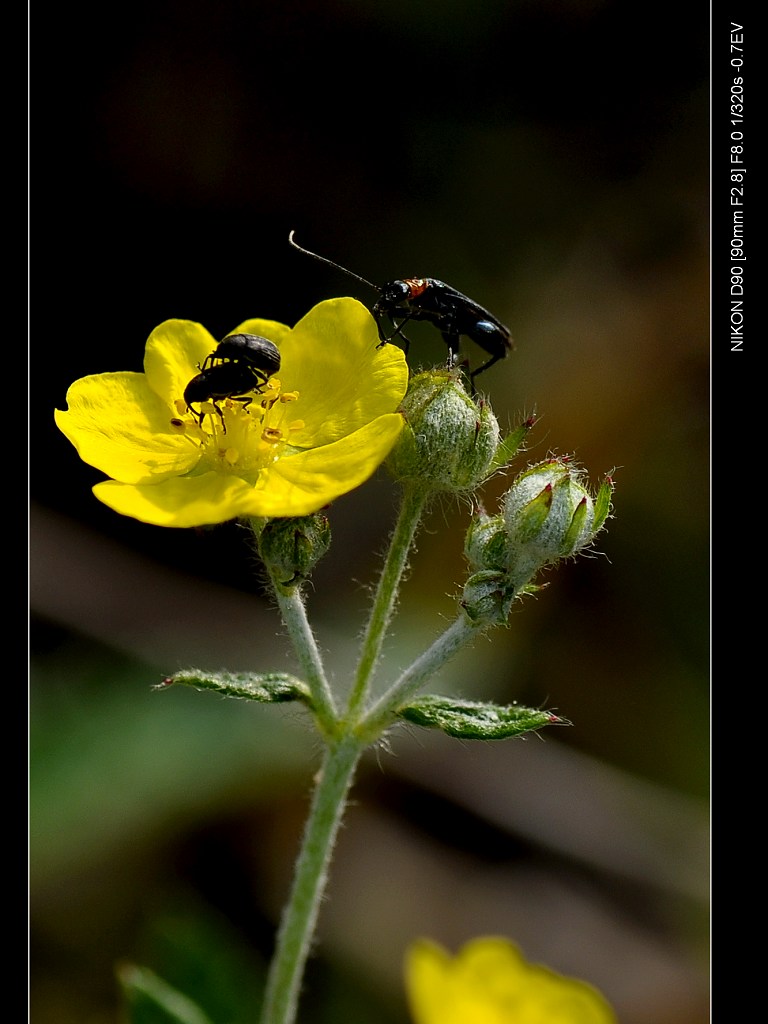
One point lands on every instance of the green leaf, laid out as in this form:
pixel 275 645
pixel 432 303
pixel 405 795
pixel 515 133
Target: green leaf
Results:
pixel 266 687
pixel 153 1001
pixel 200 952
pixel 474 720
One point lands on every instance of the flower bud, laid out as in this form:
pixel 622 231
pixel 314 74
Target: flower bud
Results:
pixel 548 515
pixel 487 598
pixel 290 548
pixel 449 439
pixel 485 543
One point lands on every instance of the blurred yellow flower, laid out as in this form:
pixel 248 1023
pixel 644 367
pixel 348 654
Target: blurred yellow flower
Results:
pixel 317 430
pixel 490 982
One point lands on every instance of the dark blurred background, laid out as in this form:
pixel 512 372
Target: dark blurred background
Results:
pixel 549 159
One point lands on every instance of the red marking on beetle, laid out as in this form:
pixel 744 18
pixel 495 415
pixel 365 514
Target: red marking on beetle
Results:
pixel 416 286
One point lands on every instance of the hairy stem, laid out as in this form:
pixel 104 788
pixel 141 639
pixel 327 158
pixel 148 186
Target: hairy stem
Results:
pixel 294 615
pixel 411 510
pixel 310 878
pixel 379 716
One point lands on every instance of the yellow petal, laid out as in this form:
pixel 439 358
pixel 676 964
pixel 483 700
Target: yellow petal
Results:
pixel 295 486
pixel 120 426
pixel 331 359
pixel 179 501
pixel 172 354
pixel 269 329
pixel 490 982
pixel 310 479
pixel 427 971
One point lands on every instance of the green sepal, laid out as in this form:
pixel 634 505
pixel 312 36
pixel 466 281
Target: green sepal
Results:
pixel 533 516
pixel 575 531
pixel 603 503
pixel 475 720
pixel 266 687
pixel 511 445
pixel 151 1000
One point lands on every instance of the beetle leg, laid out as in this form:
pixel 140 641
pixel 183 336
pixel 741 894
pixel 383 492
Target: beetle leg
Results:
pixel 398 330
pixel 490 362
pixel 221 417
pixel 451 339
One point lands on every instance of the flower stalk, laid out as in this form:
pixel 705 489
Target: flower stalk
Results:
pixel 310 878
pixel 411 510
pixel 294 615
pixel 449 643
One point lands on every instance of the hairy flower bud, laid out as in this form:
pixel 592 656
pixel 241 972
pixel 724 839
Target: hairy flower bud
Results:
pixel 449 439
pixel 290 548
pixel 548 515
pixel 485 543
pixel 487 598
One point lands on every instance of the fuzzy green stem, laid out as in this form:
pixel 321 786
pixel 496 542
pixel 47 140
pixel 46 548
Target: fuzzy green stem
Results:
pixel 379 716
pixel 294 615
pixel 411 510
pixel 310 878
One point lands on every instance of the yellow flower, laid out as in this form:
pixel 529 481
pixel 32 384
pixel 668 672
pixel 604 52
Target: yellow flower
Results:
pixel 490 982
pixel 319 428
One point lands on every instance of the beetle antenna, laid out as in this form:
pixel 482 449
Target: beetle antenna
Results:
pixel 330 263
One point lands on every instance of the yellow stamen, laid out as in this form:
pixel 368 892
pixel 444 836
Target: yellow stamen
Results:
pixel 188 427
pixel 271 435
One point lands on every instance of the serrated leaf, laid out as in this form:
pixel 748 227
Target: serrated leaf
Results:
pixel 266 687
pixel 153 1001
pixel 475 720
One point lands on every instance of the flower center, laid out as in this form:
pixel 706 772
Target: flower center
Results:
pixel 242 434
